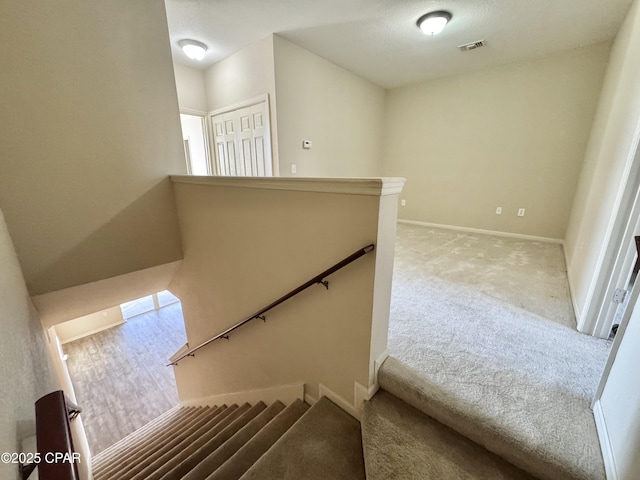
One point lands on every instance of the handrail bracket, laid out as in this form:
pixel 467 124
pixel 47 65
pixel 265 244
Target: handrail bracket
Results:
pixel 26 469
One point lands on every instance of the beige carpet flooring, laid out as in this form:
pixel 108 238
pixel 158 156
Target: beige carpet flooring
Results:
pixel 119 375
pixel 402 443
pixel 485 326
pixel 522 273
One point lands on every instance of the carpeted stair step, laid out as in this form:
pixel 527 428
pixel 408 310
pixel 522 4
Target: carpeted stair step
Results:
pixel 180 448
pixel 183 451
pixel 324 444
pixel 143 432
pixel 128 466
pixel 192 461
pixel 215 459
pixel 110 459
pixel 246 456
pixel 113 468
pixel 518 442
pixel 150 463
pixel 402 443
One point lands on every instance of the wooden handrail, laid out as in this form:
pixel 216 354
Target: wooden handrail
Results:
pixel 318 279
pixel 57 458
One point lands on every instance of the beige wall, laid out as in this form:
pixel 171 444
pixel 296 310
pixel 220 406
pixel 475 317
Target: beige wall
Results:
pixel 244 75
pixel 262 244
pixel 341 113
pixel 25 370
pixel 190 86
pixel 91 131
pixel 609 155
pixel 80 441
pixel 69 303
pixel 512 136
pixel 89 324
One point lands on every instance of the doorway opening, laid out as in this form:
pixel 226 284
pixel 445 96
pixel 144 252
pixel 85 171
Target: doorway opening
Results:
pixel 116 360
pixel 196 149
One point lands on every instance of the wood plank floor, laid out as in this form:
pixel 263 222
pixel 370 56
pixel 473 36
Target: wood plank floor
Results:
pixel 119 375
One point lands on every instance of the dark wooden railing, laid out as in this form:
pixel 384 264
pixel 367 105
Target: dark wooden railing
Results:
pixel 56 459
pixel 318 279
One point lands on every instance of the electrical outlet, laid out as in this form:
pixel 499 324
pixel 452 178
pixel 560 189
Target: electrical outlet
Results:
pixel 521 212
pixel 294 169
pixel 498 210
pixel 403 203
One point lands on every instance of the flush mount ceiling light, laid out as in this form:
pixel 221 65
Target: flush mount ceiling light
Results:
pixel 193 49
pixel 434 22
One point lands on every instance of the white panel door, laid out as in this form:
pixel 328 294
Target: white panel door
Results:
pixel 261 140
pixel 246 157
pixel 220 144
pixel 241 138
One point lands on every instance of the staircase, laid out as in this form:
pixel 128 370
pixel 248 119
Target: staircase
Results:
pixel 239 442
pixel 410 430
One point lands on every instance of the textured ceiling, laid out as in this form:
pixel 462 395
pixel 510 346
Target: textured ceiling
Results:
pixel 379 40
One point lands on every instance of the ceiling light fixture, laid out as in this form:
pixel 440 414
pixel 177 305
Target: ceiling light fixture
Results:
pixel 193 49
pixel 434 22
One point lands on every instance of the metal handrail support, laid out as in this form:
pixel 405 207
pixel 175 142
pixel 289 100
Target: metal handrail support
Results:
pixel 318 279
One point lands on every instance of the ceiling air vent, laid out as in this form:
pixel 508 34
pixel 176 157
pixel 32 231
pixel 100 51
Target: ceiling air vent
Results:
pixel 471 46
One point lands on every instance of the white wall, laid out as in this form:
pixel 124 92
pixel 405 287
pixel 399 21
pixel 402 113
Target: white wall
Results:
pixel 89 324
pixel 512 136
pixel 69 303
pixel 246 74
pixel 341 113
pixel 91 132
pixel 25 371
pixel 611 149
pixel 194 132
pixel 190 86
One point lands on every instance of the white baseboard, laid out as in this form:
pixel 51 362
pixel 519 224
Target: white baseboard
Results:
pixel 605 443
pixel 483 232
pixel 377 363
pixel 285 393
pixel 360 395
pixel 347 406
pixel 309 399
pixel 91 332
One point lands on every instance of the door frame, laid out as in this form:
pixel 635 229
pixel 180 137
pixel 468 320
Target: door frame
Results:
pixel 611 269
pixel 622 267
pixel 207 145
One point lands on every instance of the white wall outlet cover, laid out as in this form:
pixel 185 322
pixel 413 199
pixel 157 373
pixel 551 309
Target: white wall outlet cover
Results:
pixel 521 212
pixel 403 202
pixel 307 144
pixel 294 169
pixel 498 210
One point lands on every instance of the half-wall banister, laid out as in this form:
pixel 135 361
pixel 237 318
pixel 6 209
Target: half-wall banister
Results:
pixel 56 458
pixel 318 279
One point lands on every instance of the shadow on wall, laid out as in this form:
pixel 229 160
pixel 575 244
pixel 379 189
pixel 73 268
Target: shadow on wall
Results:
pixel 142 235
pixel 25 369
